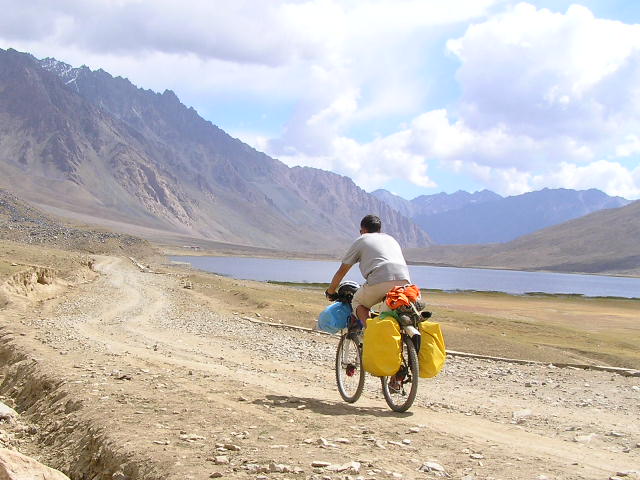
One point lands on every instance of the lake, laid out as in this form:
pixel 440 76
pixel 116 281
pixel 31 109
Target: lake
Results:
pixel 438 278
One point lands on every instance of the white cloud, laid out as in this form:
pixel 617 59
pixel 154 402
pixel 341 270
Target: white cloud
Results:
pixel 610 177
pixel 538 89
pixel 371 164
pixel 249 31
pixel 630 146
pixel 549 75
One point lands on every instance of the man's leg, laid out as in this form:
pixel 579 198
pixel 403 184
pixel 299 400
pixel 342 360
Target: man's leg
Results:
pixel 362 313
pixel 369 295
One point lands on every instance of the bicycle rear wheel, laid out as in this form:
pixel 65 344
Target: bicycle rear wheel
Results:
pixel 349 372
pixel 400 390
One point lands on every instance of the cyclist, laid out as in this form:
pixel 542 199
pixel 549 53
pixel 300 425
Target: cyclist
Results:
pixel 381 262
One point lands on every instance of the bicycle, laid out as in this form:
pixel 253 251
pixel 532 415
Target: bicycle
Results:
pixel 400 389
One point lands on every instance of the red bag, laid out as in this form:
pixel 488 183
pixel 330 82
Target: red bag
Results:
pixel 402 296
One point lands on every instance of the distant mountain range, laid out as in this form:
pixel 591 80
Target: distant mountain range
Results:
pixel 604 242
pixel 486 217
pixel 87 145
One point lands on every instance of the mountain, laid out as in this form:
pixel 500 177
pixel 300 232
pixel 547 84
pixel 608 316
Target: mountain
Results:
pixel 425 205
pixel 399 204
pixel 486 217
pixel 601 242
pixel 85 144
pixel 505 219
pixel 432 204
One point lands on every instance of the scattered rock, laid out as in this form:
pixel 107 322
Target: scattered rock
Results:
pixel 15 466
pixel 7 413
pixel 432 467
pixel 280 468
pixel 352 467
pixel 191 437
pixel 221 460
pixel 584 438
pixel 324 443
pixel 521 415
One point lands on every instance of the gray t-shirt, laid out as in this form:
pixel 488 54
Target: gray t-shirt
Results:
pixel 380 258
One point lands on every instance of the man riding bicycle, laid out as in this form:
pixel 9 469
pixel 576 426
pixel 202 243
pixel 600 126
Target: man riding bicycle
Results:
pixel 381 263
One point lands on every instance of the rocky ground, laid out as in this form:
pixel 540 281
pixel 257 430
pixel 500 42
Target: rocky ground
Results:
pixel 20 222
pixel 127 374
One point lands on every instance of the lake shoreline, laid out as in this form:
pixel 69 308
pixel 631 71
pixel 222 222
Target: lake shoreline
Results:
pixel 254 252
pixel 449 279
pixel 316 285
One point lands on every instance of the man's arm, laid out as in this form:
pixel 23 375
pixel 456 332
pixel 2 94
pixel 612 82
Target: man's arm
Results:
pixel 337 278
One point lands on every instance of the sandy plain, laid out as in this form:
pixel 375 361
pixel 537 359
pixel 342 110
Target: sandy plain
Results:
pixel 165 372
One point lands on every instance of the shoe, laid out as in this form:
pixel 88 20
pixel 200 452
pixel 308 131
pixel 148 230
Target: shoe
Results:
pixel 395 385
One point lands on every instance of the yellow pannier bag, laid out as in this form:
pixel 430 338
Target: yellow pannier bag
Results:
pixel 432 353
pixel 382 346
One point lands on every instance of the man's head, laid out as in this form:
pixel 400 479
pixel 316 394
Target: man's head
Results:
pixel 370 224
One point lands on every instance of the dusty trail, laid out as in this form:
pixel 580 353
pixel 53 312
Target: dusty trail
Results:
pixel 171 382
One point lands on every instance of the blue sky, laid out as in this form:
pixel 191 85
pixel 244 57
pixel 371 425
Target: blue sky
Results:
pixel 416 96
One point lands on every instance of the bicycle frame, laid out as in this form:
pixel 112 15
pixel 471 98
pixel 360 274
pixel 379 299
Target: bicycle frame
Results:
pixel 413 333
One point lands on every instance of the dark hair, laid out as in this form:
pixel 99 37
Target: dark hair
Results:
pixel 371 223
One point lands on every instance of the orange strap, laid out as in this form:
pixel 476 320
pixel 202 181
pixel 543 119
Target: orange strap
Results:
pixel 402 296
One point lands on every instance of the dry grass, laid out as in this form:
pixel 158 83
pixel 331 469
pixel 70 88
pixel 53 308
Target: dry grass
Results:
pixel 545 328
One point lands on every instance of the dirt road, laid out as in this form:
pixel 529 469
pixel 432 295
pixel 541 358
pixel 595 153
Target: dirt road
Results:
pixel 132 376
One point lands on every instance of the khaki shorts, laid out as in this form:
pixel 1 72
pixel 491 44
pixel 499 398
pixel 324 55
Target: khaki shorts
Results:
pixel 369 295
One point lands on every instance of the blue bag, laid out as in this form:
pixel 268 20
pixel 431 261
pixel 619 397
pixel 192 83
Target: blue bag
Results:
pixel 334 318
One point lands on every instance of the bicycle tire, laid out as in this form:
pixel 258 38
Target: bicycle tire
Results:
pixel 349 371
pixel 402 400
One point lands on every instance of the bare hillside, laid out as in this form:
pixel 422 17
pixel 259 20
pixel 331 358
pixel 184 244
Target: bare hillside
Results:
pixel 605 242
pixel 91 145
pixel 21 223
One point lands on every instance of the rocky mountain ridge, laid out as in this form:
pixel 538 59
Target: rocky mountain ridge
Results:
pixel 87 143
pixel 486 217
pixel 436 203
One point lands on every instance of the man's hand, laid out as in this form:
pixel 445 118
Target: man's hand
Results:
pixel 335 282
pixel 331 296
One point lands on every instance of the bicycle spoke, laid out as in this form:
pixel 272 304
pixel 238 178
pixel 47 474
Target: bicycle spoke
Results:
pixel 349 373
pixel 400 389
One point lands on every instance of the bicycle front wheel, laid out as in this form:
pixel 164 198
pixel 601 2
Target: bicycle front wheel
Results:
pixel 400 389
pixel 349 372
